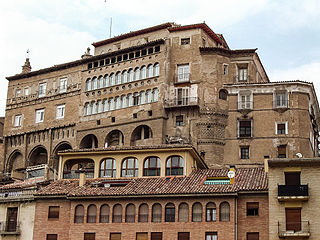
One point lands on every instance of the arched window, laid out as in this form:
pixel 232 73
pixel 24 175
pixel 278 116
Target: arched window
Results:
pixel 130 100
pixel 143 213
pixel 93 108
pixel 106 80
pixel 94 83
pixel 135 98
pixel 123 101
pixel 174 166
pixel 151 166
pixel 183 212
pixel 124 77
pixel 88 84
pixel 143 72
pixel 211 212
pixel 129 167
pixel 148 96
pixel 78 214
pixel 111 104
pixel 155 93
pixel 150 71
pixel 131 75
pixel 87 109
pixel 137 74
pixel 100 106
pixel 223 94
pixel 118 78
pixel 92 214
pixel 224 212
pixel 111 79
pixel 170 212
pixel 156 212
pixel 100 82
pixel 130 213
pixel 197 212
pixel 117 102
pixel 117 213
pixel 142 97
pixel 105 105
pixel 104 213
pixel 156 70
pixel 108 167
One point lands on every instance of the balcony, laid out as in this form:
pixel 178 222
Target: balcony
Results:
pixel 293 192
pixel 9 228
pixel 302 230
pixel 183 77
pixel 75 174
pixel 181 102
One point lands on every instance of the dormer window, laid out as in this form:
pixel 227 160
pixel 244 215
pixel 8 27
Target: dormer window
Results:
pixel 242 73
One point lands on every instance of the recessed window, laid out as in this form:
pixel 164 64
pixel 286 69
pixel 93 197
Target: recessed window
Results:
pixel 252 209
pixel 282 151
pixel 152 166
pixel 179 120
pixel 113 59
pixel 281 128
pixel 115 236
pixel 225 69
pixel 89 65
pixel 39 115
pixel 63 85
pixel 292 178
pixel 185 41
pixel 129 167
pixel 18 92
pixel 244 153
pixel 242 74
pixel 183 73
pixel 113 119
pixel 157 49
pixel 125 57
pixel 107 61
pixel 281 100
pixel 150 50
pixel 245 100
pixel 245 128
pixel 174 166
pixel 156 236
pixel 60 111
pixel 170 212
pixel 89 236
pixel 53 212
pixel 223 94
pixel 150 113
pixel 137 54
pixel 101 62
pixel 211 236
pixel 184 236
pixel 96 64
pixel 252 236
pixel 141 236
pixel 17 120
pixel 52 237
pixel 42 89
pixel 144 52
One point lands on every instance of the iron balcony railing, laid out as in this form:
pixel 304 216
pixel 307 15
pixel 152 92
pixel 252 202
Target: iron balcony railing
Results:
pixel 245 105
pixel 75 174
pixel 9 227
pixel 294 229
pixel 181 102
pixel 293 190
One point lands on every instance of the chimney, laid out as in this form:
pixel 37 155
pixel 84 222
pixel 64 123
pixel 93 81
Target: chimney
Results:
pixel 82 180
pixel 86 54
pixel 26 68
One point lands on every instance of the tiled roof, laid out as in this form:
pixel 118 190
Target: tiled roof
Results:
pixel 227 51
pixel 18 184
pixel 268 83
pixel 247 179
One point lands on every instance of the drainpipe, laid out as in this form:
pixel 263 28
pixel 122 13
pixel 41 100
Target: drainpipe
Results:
pixel 235 218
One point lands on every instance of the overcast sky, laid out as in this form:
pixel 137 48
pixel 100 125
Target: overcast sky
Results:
pixel 286 32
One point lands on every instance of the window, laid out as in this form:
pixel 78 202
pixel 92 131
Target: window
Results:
pixel 129 167
pixel 225 69
pixel 12 216
pixel 211 212
pixel 245 128
pixel 135 99
pixel 156 69
pixel 252 236
pixel 117 213
pixel 185 41
pixel 151 166
pixel 170 212
pixel 148 96
pixel 88 84
pixel 245 100
pixel 223 94
pixel 26 91
pixel 143 72
pixel 242 74
pixel 150 71
pixel 137 74
pixel 92 214
pixel 117 102
pixel 141 236
pixel 89 236
pixel 79 214
pixel 281 128
pixel 131 75
pixel 124 78
pixel 99 106
pixel 292 178
pixel 17 120
pixel 183 236
pixel 18 92
pixel 282 151
pixel 174 166
pixel 39 115
pixel 156 212
pixel 183 214
pixel 42 89
pixel 181 96
pixel 108 168
pixel 142 97
pixel 156 236
pixel 293 219
pixel 106 81
pixel 197 212
pixel 179 120
pixel 244 153
pixel 130 213
pixel 118 78
pixel 183 73
pixel 60 111
pixel 224 212
pixel 115 236
pixel 94 83
pixel 252 209
pixel 281 99
pixel 111 79
pixel 211 236
pixel 104 214
pixel 155 94
pixel 53 212
pixel 123 101
pixel 52 237
pixel 87 109
pixel 143 213
pixel 130 100
pixel 63 85
pixel 100 82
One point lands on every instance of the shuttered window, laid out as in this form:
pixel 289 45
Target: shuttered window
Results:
pixel 183 212
pixel 143 213
pixel 53 212
pixel 224 212
pixel 293 219
pixel 89 236
pixel 183 236
pixel 156 212
pixel 142 236
pixel 130 213
pixel 156 236
pixel 92 214
pixel 117 213
pixel 252 236
pixel 52 236
pixel 115 236
pixel 292 178
pixel 197 212
pixel 104 213
pixel 252 208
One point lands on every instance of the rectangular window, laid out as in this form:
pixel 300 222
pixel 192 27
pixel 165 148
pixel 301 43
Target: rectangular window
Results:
pixel 26 91
pixel 282 151
pixel 156 236
pixel 281 100
pixel 115 236
pixel 18 92
pixel 245 128
pixel 12 216
pixel 52 237
pixel 60 111
pixel 225 69
pixel 17 120
pixel 42 89
pixel 293 219
pixel 39 115
pixel 53 212
pixel 89 236
pixel 245 101
pixel 252 209
pixel 181 96
pixel 281 128
pixel 292 178
pixel 183 73
pixel 252 236
pixel 244 153
pixel 179 120
pixel 142 236
pixel 211 236
pixel 63 85
pixel 242 74
pixel 185 41
pixel 183 236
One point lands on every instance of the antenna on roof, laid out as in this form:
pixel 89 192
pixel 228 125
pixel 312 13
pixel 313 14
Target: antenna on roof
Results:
pixel 110 26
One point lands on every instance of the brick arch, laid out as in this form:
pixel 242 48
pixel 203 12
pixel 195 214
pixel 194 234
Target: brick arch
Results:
pixel 141 132
pixel 38 155
pixel 15 161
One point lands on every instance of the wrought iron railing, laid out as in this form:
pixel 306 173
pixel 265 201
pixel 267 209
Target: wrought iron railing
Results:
pixel 293 190
pixel 287 229
pixel 180 102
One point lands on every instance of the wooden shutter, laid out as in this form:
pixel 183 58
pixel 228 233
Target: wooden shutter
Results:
pixel 142 236
pixel 183 212
pixel 156 236
pixel 52 236
pixel 253 236
pixel 293 219
pixel 89 236
pixel 183 236
pixel 292 178
pixel 115 236
pixel 12 214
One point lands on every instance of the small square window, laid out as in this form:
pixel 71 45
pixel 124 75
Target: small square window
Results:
pixel 89 236
pixel 244 153
pixel 150 113
pixel 245 128
pixel 179 120
pixel 135 115
pixel 184 236
pixel 115 236
pixel 60 111
pixel 96 64
pixel 252 209
pixel 252 236
pixel 281 100
pixel 281 128
pixel 53 212
pixel 52 236
pixel 157 48
pixel 185 41
pixel 98 122
pixel 211 236
pixel 140 236
pixel 101 62
pixel 26 91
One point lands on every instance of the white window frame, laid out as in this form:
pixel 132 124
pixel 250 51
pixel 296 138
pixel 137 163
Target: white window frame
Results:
pixel 276 127
pixel 17 120
pixel 60 111
pixel 18 92
pixel 42 89
pixel 39 115
pixel 283 99
pixel 63 85
pixel 183 73
pixel 181 96
pixel 245 100
pixel 26 91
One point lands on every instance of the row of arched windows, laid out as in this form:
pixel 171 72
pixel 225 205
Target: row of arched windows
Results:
pixel 170 215
pixel 152 70
pixel 123 101
pixel 151 167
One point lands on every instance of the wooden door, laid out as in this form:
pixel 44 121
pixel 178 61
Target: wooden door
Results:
pixel 12 214
pixel 293 219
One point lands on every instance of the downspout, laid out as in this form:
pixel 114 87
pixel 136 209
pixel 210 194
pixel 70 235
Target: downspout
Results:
pixel 235 218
